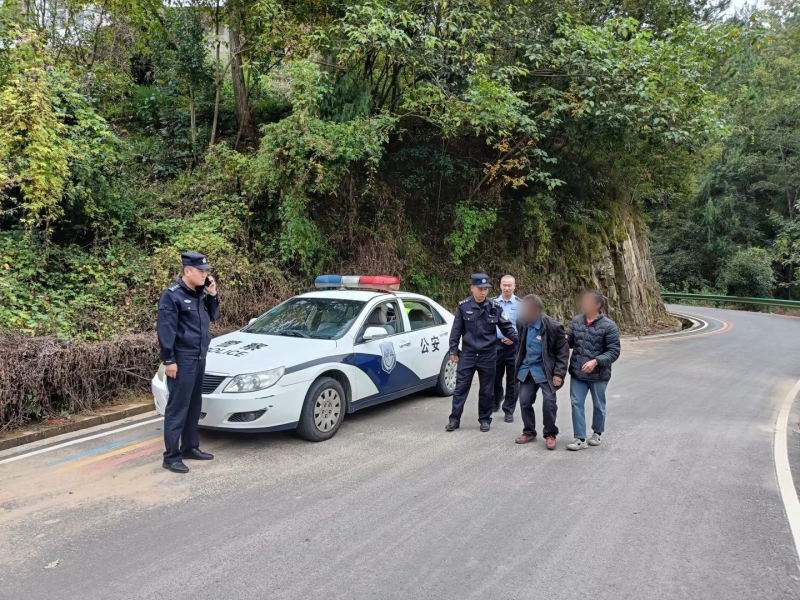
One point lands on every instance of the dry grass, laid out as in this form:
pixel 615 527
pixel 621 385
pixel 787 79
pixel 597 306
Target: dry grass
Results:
pixel 43 376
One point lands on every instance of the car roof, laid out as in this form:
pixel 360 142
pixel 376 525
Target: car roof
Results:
pixel 361 295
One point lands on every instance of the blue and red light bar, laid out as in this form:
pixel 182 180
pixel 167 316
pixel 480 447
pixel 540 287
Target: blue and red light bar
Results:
pixel 358 282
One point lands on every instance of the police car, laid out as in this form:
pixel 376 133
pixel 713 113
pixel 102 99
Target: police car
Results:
pixel 303 365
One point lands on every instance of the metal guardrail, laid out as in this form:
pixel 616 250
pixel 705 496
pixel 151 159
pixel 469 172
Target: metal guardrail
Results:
pixel 720 300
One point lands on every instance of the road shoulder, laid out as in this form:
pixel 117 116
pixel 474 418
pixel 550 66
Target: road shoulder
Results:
pixel 793 443
pixel 47 430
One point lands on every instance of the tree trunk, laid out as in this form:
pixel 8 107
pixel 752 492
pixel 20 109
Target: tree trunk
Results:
pixel 193 125
pixel 247 128
pixel 217 77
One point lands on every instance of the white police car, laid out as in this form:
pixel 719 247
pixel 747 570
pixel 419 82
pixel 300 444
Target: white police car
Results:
pixel 317 356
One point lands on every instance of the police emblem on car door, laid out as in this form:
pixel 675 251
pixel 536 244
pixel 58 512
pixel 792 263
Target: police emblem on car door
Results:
pixel 388 356
pixel 384 360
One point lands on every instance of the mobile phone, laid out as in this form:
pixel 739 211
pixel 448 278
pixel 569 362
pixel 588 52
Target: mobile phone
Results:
pixel 208 281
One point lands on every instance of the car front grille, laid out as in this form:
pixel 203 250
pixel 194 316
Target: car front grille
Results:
pixel 211 382
pixel 202 416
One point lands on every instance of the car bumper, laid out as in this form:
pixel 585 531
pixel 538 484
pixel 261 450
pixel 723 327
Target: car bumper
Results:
pixel 281 405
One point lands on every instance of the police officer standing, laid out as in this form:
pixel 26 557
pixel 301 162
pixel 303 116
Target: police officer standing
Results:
pixel 475 326
pixel 185 310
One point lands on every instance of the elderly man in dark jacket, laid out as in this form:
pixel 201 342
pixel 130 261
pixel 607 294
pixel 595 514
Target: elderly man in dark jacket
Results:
pixel 594 339
pixel 541 364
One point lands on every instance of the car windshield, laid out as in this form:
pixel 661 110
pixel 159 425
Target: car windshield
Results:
pixel 317 318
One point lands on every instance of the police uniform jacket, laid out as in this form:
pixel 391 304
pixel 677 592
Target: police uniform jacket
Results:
pixel 476 326
pixel 184 316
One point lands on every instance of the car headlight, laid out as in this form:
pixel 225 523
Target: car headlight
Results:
pixel 252 382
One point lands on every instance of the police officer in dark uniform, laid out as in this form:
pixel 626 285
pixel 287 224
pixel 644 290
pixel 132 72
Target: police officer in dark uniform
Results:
pixel 185 310
pixel 475 326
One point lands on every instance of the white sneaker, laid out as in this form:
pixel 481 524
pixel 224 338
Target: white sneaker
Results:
pixel 577 445
pixel 595 440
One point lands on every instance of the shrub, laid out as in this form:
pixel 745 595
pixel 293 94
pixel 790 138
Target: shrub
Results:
pixel 748 273
pixel 44 376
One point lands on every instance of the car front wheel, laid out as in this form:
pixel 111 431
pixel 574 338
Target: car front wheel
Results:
pixel 323 410
pixel 446 384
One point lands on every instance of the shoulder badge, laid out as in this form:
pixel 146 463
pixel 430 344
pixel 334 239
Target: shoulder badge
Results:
pixel 463 301
pixel 172 288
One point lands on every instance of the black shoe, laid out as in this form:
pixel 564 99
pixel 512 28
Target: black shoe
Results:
pixel 197 454
pixel 509 418
pixel 452 426
pixel 484 427
pixel 175 467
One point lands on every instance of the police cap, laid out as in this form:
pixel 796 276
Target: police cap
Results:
pixel 481 280
pixel 196 260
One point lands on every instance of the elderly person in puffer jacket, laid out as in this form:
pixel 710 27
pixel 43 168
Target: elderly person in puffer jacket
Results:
pixel 594 339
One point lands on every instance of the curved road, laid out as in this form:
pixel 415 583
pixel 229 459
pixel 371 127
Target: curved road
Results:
pixel 681 500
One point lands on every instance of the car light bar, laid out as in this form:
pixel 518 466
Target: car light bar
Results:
pixel 358 282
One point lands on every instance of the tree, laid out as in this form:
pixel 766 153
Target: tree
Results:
pixel 748 274
pixel 398 135
pixel 748 195
pixel 55 150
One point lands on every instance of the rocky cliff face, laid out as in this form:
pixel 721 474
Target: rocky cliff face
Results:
pixel 623 271
pixel 628 277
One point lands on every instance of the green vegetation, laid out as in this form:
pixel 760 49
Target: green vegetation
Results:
pixel 746 197
pixel 748 274
pixel 420 138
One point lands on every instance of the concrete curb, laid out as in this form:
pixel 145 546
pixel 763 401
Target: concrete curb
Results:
pixel 108 417
pixel 697 324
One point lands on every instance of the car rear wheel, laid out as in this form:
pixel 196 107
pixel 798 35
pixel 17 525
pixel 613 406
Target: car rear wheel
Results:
pixel 446 384
pixel 323 410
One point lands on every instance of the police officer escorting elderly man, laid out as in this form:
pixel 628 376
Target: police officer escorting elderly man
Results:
pixel 541 352
pixel 185 310
pixel 477 321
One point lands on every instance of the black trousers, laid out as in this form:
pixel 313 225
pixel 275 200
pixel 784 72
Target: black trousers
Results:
pixel 527 396
pixel 506 356
pixel 183 409
pixel 468 364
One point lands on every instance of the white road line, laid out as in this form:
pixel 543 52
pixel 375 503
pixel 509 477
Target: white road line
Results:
pixel 782 469
pixel 77 441
pixel 700 325
pixel 699 320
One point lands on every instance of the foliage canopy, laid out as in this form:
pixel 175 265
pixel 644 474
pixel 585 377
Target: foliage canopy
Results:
pixel 422 138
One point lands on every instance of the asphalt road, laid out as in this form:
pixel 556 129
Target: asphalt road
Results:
pixel 680 501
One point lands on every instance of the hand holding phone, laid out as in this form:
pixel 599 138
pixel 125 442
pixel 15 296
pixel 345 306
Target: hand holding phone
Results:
pixel 211 285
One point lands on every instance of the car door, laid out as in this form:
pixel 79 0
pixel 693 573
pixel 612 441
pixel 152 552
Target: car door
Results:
pixel 384 363
pixel 430 335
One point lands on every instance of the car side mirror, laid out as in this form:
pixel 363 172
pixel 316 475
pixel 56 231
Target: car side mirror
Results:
pixel 251 321
pixel 373 333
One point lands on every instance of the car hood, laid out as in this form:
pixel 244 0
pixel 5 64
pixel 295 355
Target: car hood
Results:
pixel 241 352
